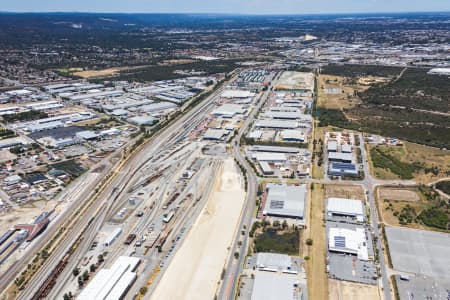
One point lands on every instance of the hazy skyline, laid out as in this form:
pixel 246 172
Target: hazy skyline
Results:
pixel 228 6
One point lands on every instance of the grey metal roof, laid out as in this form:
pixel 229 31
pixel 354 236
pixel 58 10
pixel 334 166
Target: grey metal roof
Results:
pixel 273 286
pixel 284 200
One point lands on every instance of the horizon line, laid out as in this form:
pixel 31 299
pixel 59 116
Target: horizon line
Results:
pixel 225 13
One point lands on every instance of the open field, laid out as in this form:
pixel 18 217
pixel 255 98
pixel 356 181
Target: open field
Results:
pixel 170 62
pixel 316 265
pixel 196 268
pixel 344 191
pixel 352 291
pixel 274 240
pixel 399 194
pixel 422 163
pixel 97 73
pixel 335 92
pixel 319 134
pixel 414 207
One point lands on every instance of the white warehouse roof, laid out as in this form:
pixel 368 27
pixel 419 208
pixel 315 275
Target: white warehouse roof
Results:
pixel 270 157
pixel 348 241
pixel 346 207
pixel 273 286
pixel 237 94
pixel 276 124
pixel 113 283
pixel 229 110
pixel 273 261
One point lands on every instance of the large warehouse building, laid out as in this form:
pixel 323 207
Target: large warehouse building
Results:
pixel 285 201
pixel 349 208
pixel 113 283
pixel 276 286
pixel 348 241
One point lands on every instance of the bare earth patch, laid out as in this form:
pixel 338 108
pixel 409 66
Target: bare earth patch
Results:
pixel 196 268
pixel 344 191
pixel 398 194
pixel 351 291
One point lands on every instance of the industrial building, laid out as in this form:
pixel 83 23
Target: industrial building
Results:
pixel 349 208
pixel 142 120
pixel 265 168
pixel 215 134
pixel 229 110
pixel 274 149
pixel 276 124
pixel 285 201
pixel 113 283
pixel 342 169
pixel 276 286
pixel 273 262
pixel 292 136
pixel 340 157
pixel 231 94
pixel 269 157
pixel 349 241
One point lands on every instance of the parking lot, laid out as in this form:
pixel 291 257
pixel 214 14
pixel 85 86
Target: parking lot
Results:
pixel 348 267
pixel 420 252
pixel 423 288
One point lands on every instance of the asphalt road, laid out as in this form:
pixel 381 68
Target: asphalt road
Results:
pixel 369 186
pixel 234 266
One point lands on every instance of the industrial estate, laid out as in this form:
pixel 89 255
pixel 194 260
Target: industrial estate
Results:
pixel 223 165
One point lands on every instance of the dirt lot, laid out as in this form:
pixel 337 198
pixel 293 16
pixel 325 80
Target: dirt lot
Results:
pixel 398 198
pixel 352 291
pixel 97 73
pixel 336 92
pixel 344 191
pixel 316 265
pixel 171 62
pixel 398 194
pixel 195 270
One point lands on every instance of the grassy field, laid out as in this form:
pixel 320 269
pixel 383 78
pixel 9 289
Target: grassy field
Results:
pixel 69 166
pixel 316 265
pixel 278 241
pixel 410 161
pixel 343 100
pixel 319 134
pixel 413 207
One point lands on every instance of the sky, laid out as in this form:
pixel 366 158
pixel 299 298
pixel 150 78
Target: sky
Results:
pixel 227 6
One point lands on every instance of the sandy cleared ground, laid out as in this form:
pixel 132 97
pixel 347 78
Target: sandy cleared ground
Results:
pixel 97 73
pixel 316 265
pixel 196 267
pixel 343 290
pixel 344 99
pixel 5 156
pixel 344 191
pixel 398 194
